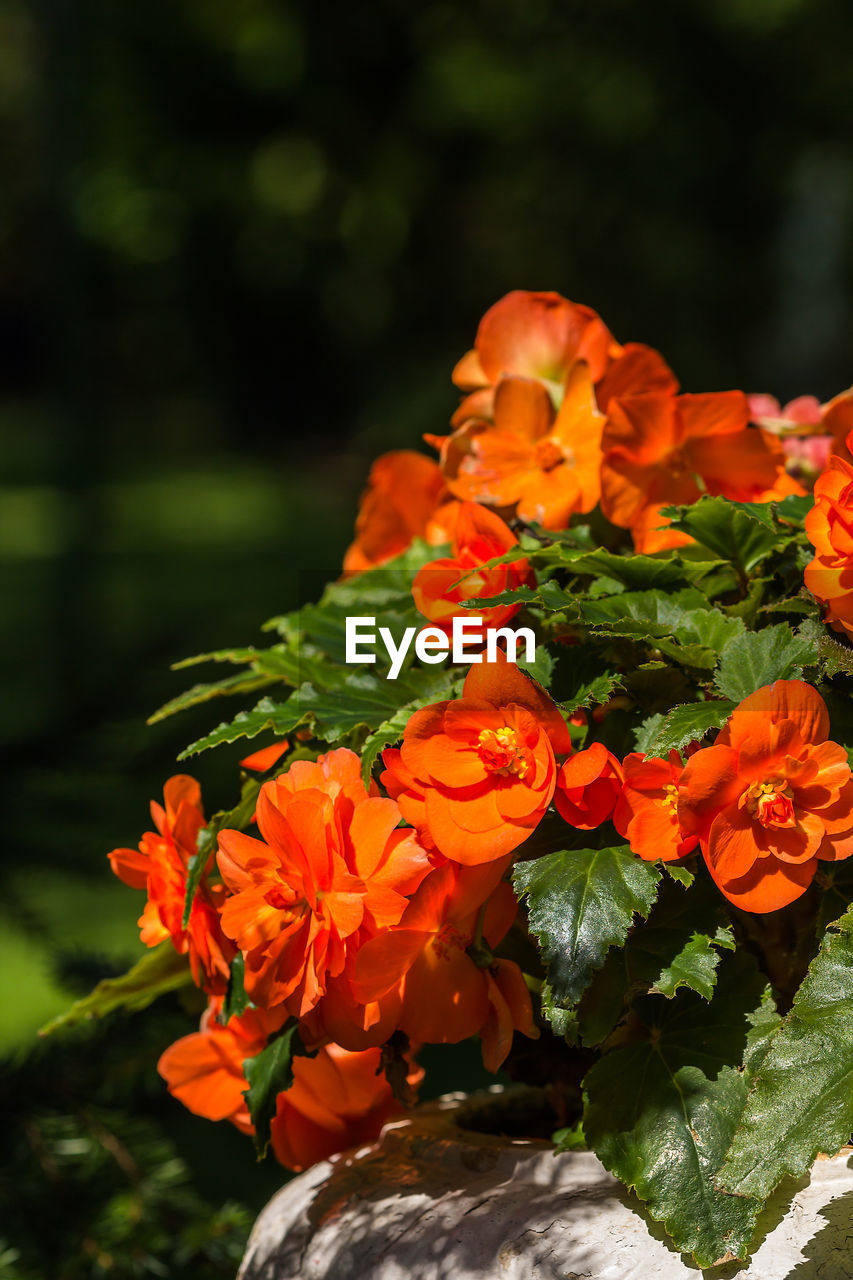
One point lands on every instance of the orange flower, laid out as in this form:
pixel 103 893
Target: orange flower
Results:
pixel 770 797
pixel 331 864
pixel 637 370
pixel 541 460
pixel 445 995
pixel 588 787
pixel 204 1070
pixel 337 1099
pixel 160 866
pixel 829 526
pixel 478 536
pixel 476 775
pixel 404 491
pixel 540 336
pixel 665 449
pixel 647 812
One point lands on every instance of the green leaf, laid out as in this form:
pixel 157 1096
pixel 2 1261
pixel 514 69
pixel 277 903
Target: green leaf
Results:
pixel 679 873
pixel 641 573
pixel 695 966
pixel 660 1113
pixel 591 693
pixel 549 594
pixel 661 734
pixel 570 1139
pixel 636 572
pixel 741 533
pixel 235 655
pixel 835 658
pixel 661 611
pixel 564 1022
pixel 802 605
pixel 360 703
pixel 160 970
pixel 268 1074
pixel 757 658
pixel 240 817
pixel 794 509
pixel 236 999
pixel 581 902
pixel 244 682
pixel 802 1103
pixel 680 624
pixel 281 717
pixel 657 956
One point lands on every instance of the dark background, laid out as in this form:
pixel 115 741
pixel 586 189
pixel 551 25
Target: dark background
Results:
pixel 241 245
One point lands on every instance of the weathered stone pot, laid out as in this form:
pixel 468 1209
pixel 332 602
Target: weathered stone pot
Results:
pixel 435 1198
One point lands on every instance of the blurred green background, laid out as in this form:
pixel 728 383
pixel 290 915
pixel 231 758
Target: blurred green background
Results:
pixel 242 243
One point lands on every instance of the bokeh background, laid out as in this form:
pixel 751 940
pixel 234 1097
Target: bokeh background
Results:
pixel 242 243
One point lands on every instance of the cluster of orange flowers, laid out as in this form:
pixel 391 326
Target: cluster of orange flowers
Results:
pixel 368 912
pixel 359 926
pixel 557 416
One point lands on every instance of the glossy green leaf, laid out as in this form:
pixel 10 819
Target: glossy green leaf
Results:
pixel 360 703
pixel 802 1102
pixel 741 533
pixel 661 734
pixel 695 966
pixel 581 902
pixel 281 717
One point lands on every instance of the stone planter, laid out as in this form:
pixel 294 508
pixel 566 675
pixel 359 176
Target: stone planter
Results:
pixel 435 1198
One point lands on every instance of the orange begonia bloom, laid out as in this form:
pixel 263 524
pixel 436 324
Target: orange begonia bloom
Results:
pixel 647 812
pixel 331 865
pixel 588 787
pixel 402 501
pixel 478 536
pixel 446 995
pixel 540 336
pixel 770 797
pixel 541 460
pixel 665 449
pixel 160 865
pixel 637 370
pixel 476 775
pixel 829 526
pixel 204 1070
pixel 337 1099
